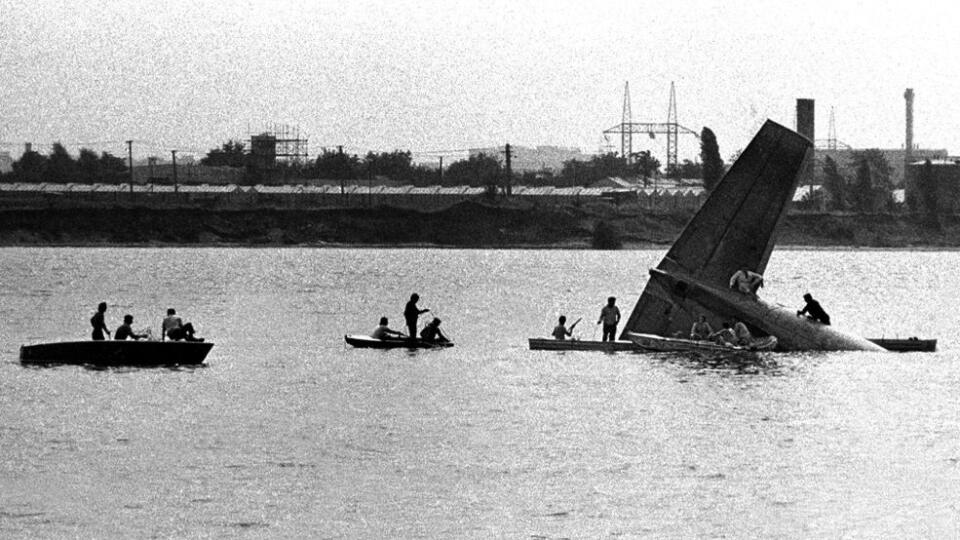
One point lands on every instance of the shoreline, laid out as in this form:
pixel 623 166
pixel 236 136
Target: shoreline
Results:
pixel 463 226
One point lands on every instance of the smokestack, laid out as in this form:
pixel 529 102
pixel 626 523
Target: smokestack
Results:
pixel 908 144
pixel 805 127
pixel 27 148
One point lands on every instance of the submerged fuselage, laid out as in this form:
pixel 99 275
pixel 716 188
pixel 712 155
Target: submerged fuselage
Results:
pixel 793 333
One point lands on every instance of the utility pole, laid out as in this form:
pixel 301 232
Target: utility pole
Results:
pixel 175 186
pixel 441 170
pixel 130 160
pixel 509 154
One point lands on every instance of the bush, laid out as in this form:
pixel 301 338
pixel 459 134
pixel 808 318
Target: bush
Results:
pixel 606 236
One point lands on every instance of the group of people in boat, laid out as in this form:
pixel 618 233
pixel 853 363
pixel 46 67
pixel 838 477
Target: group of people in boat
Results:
pixel 735 332
pixel 411 314
pixel 609 318
pixel 172 327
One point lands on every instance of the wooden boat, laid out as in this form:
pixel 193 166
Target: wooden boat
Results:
pixel 912 344
pixel 550 344
pixel 367 342
pixel 117 353
pixel 651 342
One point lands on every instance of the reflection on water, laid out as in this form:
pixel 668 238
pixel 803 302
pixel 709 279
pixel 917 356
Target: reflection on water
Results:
pixel 287 431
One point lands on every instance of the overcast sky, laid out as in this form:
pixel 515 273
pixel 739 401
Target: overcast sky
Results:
pixel 438 76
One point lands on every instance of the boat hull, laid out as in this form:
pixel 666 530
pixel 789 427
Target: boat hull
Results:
pixel 651 342
pixel 367 342
pixel 548 344
pixel 117 353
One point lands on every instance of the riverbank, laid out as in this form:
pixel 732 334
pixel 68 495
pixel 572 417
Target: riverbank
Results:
pixel 466 225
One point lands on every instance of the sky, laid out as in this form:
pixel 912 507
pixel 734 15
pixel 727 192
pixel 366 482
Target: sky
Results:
pixel 439 77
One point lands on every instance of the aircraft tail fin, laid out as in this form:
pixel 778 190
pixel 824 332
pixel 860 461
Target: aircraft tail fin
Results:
pixel 735 227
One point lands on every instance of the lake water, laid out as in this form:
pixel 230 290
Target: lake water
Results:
pixel 287 433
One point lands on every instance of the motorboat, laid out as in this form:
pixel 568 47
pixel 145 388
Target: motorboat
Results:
pixel 117 352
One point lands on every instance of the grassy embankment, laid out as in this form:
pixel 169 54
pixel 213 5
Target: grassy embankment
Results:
pixel 464 225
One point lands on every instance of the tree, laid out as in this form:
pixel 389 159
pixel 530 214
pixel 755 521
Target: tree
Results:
pixel 396 165
pixel 690 169
pixel 337 165
pixel 113 169
pixel 646 165
pixel 230 154
pixel 835 185
pixel 61 168
pixel 88 166
pixel 710 157
pixel 583 173
pixel 873 185
pixel 479 170
pixel 30 167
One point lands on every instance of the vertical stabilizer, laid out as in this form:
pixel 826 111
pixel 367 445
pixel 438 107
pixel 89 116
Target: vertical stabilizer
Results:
pixel 735 227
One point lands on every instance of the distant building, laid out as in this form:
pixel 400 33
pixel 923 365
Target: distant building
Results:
pixel 6 162
pixel 541 158
pixel 946 182
pixel 894 157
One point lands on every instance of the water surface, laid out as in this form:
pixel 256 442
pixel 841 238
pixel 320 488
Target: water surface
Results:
pixel 286 432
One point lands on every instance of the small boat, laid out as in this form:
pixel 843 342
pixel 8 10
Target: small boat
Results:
pixel 550 344
pixel 117 353
pixel 911 344
pixel 367 342
pixel 651 342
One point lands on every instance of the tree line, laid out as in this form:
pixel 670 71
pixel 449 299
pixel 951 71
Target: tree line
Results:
pixel 60 167
pixel 480 170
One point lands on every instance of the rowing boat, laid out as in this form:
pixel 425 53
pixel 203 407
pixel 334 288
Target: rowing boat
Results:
pixel 549 344
pixel 912 344
pixel 367 342
pixel 117 353
pixel 651 342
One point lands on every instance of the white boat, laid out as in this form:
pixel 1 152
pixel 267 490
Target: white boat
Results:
pixel 652 342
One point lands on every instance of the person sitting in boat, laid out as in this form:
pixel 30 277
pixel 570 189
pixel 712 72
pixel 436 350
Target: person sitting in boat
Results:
pixel 744 337
pixel 431 332
pixel 724 336
pixel 701 329
pixel 98 323
pixel 560 331
pixel 174 328
pixel 383 331
pixel 813 310
pixel 746 281
pixel 126 331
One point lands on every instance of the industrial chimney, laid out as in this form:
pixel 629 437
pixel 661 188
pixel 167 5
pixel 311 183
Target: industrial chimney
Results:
pixel 805 127
pixel 908 144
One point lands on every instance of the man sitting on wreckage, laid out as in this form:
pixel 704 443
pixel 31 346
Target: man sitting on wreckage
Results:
pixel 746 281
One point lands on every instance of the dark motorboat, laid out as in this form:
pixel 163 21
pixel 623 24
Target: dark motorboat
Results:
pixel 912 344
pixel 117 353
pixel 367 342
pixel 551 344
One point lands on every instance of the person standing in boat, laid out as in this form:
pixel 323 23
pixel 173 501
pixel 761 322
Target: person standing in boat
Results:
pixel 383 331
pixel 746 281
pixel 411 313
pixel 813 310
pixel 98 322
pixel 610 317
pixel 560 332
pixel 126 330
pixel 701 329
pixel 431 332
